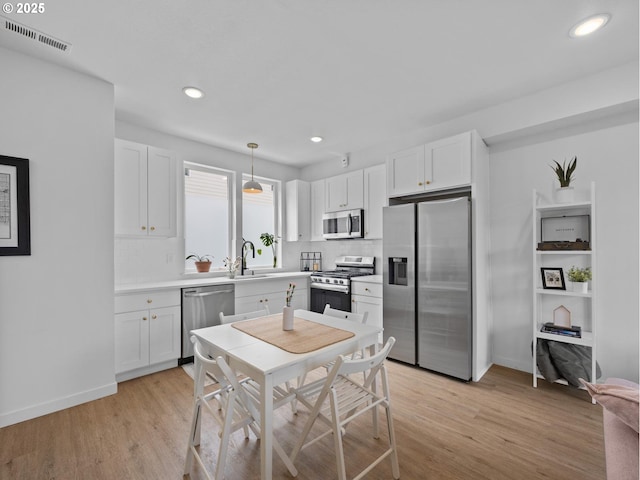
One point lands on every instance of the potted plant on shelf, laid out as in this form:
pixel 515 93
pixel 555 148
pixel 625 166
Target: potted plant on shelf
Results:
pixel 232 266
pixel 580 278
pixel 203 262
pixel 270 240
pixel 564 172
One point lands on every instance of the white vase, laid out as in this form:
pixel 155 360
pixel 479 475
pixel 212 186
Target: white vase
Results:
pixel 287 318
pixel 564 195
pixel 231 274
pixel 580 287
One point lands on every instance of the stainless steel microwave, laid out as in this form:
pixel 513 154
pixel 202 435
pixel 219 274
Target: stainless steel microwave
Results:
pixel 345 224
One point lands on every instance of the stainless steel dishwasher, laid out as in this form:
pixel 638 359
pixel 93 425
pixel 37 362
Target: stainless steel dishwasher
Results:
pixel 201 307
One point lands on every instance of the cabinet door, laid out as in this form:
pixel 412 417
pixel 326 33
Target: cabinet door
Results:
pixel 375 197
pixel 372 305
pixel 164 334
pixel 161 193
pixel 405 172
pixel 336 193
pixel 130 170
pixel 297 211
pixel 317 209
pixel 131 340
pixel 252 303
pixel 344 192
pixel 448 162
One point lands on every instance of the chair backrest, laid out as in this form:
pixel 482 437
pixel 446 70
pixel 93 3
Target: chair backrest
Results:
pixel 369 365
pixel 243 316
pixel 356 317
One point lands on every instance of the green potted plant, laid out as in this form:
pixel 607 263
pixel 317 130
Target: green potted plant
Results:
pixel 580 278
pixel 270 240
pixel 564 172
pixel 203 262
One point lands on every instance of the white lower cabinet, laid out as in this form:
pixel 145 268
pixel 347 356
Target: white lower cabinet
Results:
pixel 253 295
pixel 147 332
pixel 367 297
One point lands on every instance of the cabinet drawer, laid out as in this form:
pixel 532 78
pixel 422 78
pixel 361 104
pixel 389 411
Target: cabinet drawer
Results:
pixel 364 288
pixel 146 300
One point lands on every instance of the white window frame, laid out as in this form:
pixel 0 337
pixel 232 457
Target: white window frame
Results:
pixel 277 217
pixel 231 205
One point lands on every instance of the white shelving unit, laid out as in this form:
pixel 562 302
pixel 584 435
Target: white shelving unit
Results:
pixel 582 305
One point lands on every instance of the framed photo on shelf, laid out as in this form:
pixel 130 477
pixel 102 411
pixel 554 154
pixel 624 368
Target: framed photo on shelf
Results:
pixel 15 235
pixel 552 278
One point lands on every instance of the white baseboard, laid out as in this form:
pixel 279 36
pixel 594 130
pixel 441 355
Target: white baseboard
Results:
pixel 510 363
pixel 56 405
pixel 139 372
pixel 481 373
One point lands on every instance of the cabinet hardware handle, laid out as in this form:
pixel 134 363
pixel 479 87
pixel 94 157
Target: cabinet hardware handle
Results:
pixel 420 184
pixel 266 300
pixel 427 182
pixel 154 316
pixel 366 289
pixel 261 300
pixel 143 227
pixel 149 300
pixel 144 318
pixel 152 228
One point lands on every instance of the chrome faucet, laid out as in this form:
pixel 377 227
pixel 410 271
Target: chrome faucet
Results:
pixel 244 254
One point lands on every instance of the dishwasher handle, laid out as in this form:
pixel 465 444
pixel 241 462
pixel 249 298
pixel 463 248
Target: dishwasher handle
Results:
pixel 205 294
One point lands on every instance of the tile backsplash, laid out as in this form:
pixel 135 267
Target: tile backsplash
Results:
pixel 158 259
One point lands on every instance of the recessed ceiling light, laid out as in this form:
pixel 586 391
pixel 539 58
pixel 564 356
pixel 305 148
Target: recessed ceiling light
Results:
pixel 589 25
pixel 193 92
pixel 316 139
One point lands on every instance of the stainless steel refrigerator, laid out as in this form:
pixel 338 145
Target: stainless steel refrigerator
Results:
pixel 427 300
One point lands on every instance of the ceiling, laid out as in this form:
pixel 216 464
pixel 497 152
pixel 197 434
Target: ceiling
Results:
pixel 355 72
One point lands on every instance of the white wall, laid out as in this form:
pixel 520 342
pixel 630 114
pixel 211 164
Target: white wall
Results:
pixel 56 305
pixel 610 158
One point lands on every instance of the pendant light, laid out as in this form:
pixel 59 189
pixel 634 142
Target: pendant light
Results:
pixel 252 186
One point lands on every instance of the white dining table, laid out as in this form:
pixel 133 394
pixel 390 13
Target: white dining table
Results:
pixel 270 366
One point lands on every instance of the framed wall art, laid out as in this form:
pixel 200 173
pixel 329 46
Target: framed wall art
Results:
pixel 15 230
pixel 552 278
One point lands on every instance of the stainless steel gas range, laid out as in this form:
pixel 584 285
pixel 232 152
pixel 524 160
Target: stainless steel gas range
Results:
pixel 334 286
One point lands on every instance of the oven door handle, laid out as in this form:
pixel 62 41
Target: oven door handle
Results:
pixel 205 294
pixel 333 288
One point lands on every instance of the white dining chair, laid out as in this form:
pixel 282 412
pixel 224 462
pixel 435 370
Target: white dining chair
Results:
pixel 243 316
pixel 356 317
pixel 339 399
pixel 240 410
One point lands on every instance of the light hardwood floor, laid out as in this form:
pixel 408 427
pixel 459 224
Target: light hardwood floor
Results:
pixel 498 428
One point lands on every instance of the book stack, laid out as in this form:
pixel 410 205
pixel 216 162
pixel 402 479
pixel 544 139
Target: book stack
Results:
pixel 549 327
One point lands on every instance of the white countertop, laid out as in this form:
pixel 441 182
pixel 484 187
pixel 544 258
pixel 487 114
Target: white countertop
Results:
pixel 195 280
pixel 368 279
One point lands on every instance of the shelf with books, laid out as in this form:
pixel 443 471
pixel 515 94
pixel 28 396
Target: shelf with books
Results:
pixel 551 290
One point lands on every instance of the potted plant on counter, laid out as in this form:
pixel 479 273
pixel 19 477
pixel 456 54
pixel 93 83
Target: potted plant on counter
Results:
pixel 564 172
pixel 270 240
pixel 580 278
pixel 232 266
pixel 203 262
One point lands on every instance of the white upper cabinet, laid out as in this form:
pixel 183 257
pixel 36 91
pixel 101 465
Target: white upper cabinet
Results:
pixel 344 192
pixel 448 162
pixel 437 165
pixel 145 190
pixel 317 209
pixel 405 172
pixel 298 210
pixel 375 197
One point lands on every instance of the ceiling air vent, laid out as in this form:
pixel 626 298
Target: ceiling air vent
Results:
pixel 33 34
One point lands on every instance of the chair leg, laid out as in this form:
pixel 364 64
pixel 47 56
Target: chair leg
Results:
pixel 337 438
pixel 395 466
pixel 188 463
pixel 226 433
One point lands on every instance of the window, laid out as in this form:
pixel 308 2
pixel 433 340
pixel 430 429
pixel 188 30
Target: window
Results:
pixel 207 206
pixel 261 214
